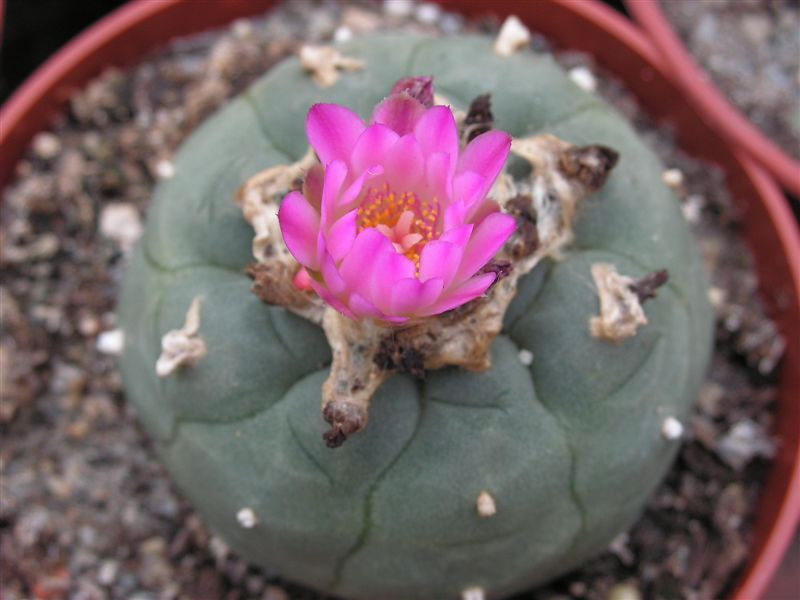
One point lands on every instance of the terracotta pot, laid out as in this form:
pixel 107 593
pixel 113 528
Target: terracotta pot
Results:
pixel 710 102
pixel 130 32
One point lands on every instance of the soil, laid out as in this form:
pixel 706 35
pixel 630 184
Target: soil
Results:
pixel 87 510
pixel 751 51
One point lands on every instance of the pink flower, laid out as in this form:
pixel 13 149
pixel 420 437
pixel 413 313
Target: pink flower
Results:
pixel 394 224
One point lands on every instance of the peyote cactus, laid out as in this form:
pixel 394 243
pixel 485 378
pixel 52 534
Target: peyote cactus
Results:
pixel 464 482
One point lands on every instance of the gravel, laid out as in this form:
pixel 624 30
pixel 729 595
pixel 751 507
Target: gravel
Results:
pixel 751 51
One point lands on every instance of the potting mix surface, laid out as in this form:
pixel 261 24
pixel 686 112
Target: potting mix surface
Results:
pixel 751 51
pixel 87 510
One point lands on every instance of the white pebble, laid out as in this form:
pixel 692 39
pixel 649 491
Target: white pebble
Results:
pixel 398 8
pixel 717 297
pixel 526 357
pixel 46 145
pixel 121 223
pixel 513 36
pixel 428 13
pixel 473 593
pixel 343 34
pixel 692 208
pixel 247 518
pixel 583 78
pixel 743 442
pixel 671 428
pixel 673 178
pixel 165 169
pixel 485 504
pixel 107 573
pixel 111 342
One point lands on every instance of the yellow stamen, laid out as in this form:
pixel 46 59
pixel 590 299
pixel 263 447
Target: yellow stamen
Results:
pixel 408 221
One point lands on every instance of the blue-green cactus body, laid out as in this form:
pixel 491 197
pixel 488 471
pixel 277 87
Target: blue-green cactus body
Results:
pixel 569 447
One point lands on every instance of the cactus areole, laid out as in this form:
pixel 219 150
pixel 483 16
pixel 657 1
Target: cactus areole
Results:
pixel 494 297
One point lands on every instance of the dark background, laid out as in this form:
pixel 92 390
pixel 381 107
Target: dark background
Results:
pixel 35 29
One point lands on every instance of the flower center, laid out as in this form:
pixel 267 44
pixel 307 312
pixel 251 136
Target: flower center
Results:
pixel 408 221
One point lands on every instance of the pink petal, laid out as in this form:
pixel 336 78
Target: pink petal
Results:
pixel 331 277
pixel 340 237
pixel 362 307
pixel 454 215
pixel 469 290
pixel 404 164
pixel 440 259
pixel 401 112
pixel 312 185
pixel 331 299
pixel 458 235
pixel 485 242
pixel 332 131
pixel 486 155
pixel 390 267
pixel 335 174
pixel 351 196
pixel 439 177
pixel 470 188
pixel 437 132
pixel 410 295
pixel 371 147
pixel 300 226
pixel 356 268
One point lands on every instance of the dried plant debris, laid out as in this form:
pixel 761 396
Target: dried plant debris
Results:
pixel 621 298
pixel 184 346
pixel 325 63
pixel 87 510
pixel 366 353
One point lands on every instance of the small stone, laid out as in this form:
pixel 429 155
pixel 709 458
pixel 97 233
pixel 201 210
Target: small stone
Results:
pixel 428 13
pixel 247 518
pixel 673 178
pixel 88 325
pixel 619 547
pixel 107 573
pixel 46 145
pixel 165 169
pixel 583 78
pixel 692 208
pixel 473 593
pixel 743 442
pixel 242 29
pixel 44 246
pixel 624 591
pixel 450 23
pixel 717 297
pixel 513 36
pixel 111 342
pixel 526 357
pixel 121 223
pixel 343 34
pixel 671 428
pixel 398 8
pixel 486 505
pixel 273 592
pixel 577 589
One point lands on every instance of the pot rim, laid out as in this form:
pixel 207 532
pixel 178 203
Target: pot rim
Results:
pixel 709 100
pixel 142 25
